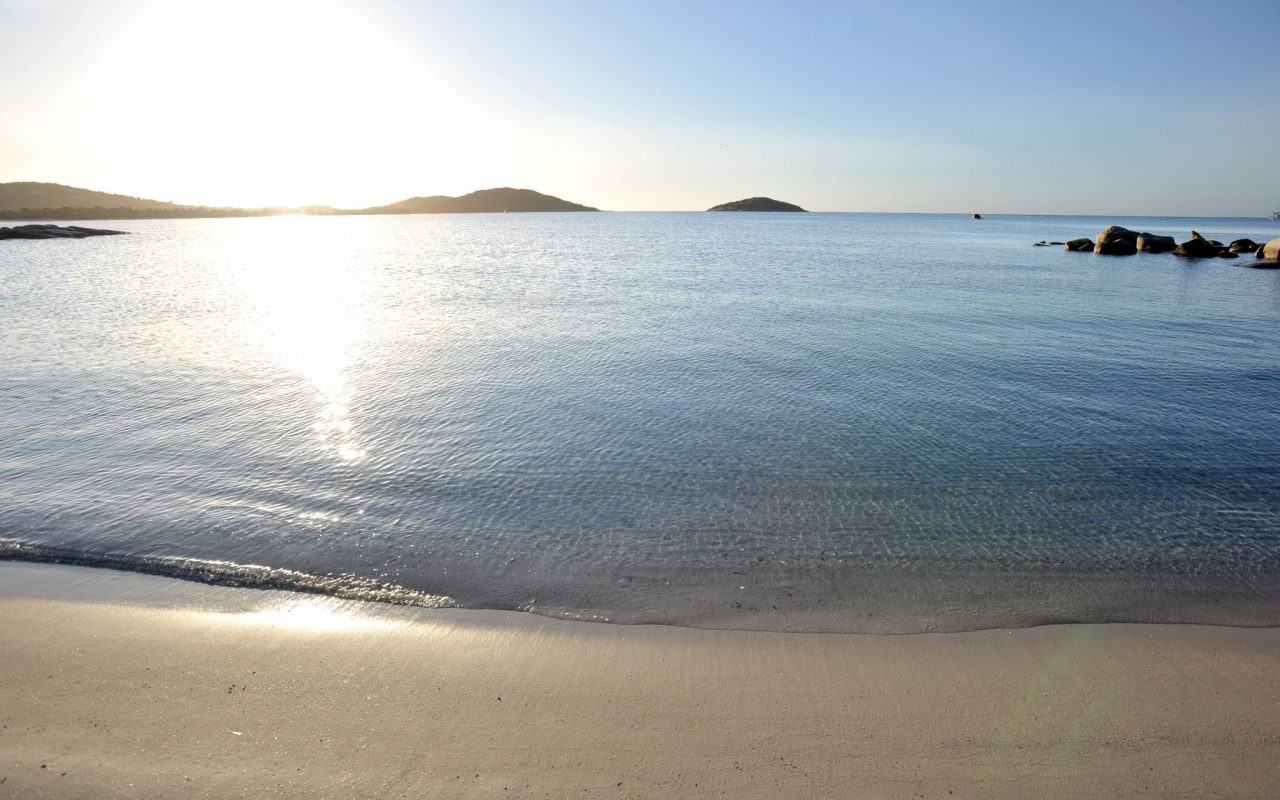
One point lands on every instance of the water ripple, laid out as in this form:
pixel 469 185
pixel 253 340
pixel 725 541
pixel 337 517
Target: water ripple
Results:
pixel 619 416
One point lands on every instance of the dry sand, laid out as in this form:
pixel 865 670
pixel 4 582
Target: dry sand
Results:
pixel 117 685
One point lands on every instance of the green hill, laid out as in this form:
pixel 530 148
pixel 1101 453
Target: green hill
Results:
pixel 30 200
pixel 483 201
pixel 756 204
pixel 31 195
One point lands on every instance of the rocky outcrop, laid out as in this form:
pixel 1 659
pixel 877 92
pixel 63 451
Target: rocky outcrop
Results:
pixel 1151 243
pixel 1117 240
pixel 1116 233
pixel 756 204
pixel 1196 247
pixel 53 232
pixel 1119 247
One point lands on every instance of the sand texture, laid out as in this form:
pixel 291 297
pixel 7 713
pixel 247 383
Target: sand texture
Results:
pixel 123 686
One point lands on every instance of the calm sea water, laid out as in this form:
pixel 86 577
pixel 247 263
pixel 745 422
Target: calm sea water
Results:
pixel 809 422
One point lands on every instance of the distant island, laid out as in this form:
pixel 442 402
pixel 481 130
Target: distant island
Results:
pixel 483 201
pixel 756 204
pixel 32 200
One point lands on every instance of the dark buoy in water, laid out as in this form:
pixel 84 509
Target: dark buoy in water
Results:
pixel 977 216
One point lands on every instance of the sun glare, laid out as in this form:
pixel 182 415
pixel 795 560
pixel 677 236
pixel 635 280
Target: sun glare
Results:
pixel 307 613
pixel 270 102
pixel 300 292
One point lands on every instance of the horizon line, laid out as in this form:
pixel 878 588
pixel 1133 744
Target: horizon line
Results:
pixel 287 210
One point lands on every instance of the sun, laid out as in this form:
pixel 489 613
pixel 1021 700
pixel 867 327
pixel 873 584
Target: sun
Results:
pixel 270 102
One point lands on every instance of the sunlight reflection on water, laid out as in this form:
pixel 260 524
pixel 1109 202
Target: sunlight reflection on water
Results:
pixel 651 417
pixel 300 288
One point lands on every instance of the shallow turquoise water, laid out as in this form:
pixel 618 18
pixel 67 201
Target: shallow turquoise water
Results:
pixel 823 421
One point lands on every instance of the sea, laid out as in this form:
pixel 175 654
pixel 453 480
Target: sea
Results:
pixel 880 423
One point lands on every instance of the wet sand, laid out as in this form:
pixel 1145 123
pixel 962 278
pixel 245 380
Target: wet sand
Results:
pixel 121 685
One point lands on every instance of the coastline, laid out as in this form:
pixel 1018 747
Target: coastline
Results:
pixel 126 685
pixel 796 598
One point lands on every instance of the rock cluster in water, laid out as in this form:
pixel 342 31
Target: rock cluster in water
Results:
pixel 1118 241
pixel 54 232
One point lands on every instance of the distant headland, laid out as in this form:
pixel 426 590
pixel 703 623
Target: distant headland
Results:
pixel 30 200
pixel 756 204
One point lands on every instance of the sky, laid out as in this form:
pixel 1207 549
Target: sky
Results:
pixel 1162 108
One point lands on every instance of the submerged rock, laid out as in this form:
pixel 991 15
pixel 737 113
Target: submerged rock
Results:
pixel 54 232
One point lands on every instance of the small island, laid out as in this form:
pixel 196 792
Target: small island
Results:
pixel 756 204
pixel 485 201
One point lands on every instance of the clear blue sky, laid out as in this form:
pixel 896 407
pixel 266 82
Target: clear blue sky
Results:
pixel 1142 108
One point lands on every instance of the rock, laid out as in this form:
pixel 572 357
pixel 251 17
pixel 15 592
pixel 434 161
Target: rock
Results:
pixel 1079 245
pixel 1213 242
pixel 1196 247
pixel 1119 247
pixel 1151 243
pixel 95 231
pixel 1225 253
pixel 1243 246
pixel 1269 251
pixel 54 232
pixel 1115 233
pixel 20 233
pixel 977 216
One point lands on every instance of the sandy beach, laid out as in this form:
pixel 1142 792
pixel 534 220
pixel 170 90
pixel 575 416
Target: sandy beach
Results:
pixel 130 686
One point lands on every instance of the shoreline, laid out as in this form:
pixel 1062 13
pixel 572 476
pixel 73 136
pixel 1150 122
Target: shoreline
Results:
pixel 126 685
pixel 796 598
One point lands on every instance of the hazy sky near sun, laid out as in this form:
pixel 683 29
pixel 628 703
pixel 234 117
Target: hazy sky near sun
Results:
pixel 1116 107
